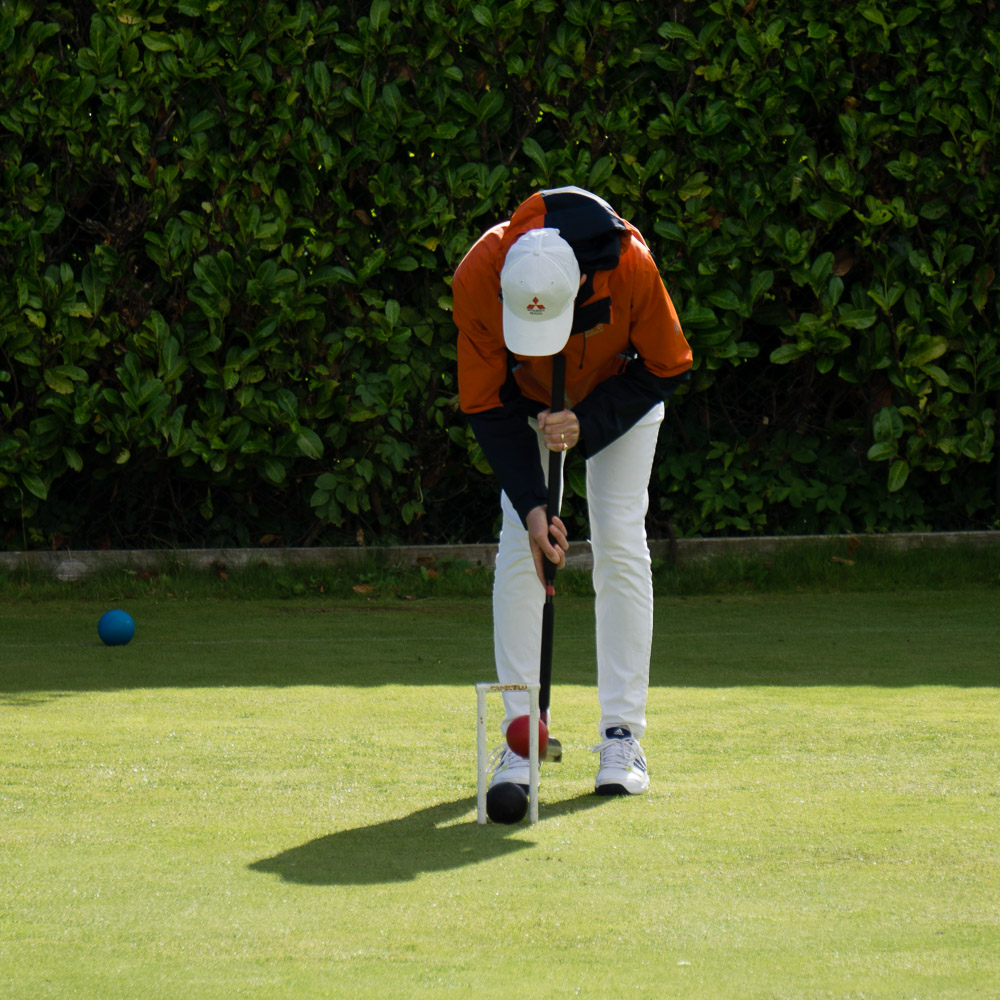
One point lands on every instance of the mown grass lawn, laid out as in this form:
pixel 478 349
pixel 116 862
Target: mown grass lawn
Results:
pixel 267 798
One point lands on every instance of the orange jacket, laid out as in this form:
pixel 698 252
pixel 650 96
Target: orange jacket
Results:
pixel 642 317
pixel 626 352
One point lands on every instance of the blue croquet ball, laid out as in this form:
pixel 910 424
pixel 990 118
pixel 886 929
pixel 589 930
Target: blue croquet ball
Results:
pixel 115 628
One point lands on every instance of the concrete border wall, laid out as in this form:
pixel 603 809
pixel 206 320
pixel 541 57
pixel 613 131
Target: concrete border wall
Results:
pixel 65 565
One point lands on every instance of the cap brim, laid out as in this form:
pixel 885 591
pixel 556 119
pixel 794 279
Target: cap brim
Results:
pixel 536 338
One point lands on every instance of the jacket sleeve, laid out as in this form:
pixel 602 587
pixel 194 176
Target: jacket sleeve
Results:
pixel 619 403
pixel 478 315
pixel 511 447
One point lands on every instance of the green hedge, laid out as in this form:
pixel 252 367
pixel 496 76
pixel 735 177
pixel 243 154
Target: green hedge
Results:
pixel 230 228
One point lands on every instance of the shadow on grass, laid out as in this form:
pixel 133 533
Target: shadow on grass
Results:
pixel 399 850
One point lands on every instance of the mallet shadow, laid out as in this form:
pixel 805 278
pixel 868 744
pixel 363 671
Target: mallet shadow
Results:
pixel 399 850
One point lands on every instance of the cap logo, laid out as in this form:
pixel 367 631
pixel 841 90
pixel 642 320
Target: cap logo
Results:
pixel 534 306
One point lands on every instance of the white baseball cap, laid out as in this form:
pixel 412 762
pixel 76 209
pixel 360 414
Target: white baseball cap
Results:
pixel 539 283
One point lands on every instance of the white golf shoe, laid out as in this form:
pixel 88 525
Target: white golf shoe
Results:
pixel 623 765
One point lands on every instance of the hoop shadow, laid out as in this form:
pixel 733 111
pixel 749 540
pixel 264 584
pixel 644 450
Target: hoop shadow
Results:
pixel 399 850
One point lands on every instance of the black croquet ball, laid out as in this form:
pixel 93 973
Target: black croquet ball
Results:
pixel 506 802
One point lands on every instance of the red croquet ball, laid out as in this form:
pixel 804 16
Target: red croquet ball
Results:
pixel 519 735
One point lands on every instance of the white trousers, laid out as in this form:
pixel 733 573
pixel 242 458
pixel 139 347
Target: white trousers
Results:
pixel 617 498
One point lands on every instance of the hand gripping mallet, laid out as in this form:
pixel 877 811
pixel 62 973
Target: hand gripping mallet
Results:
pixel 554 750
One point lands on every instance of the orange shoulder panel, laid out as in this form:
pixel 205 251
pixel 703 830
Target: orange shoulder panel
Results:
pixel 478 314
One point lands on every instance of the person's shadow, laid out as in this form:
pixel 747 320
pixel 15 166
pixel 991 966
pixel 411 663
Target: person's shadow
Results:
pixel 399 850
